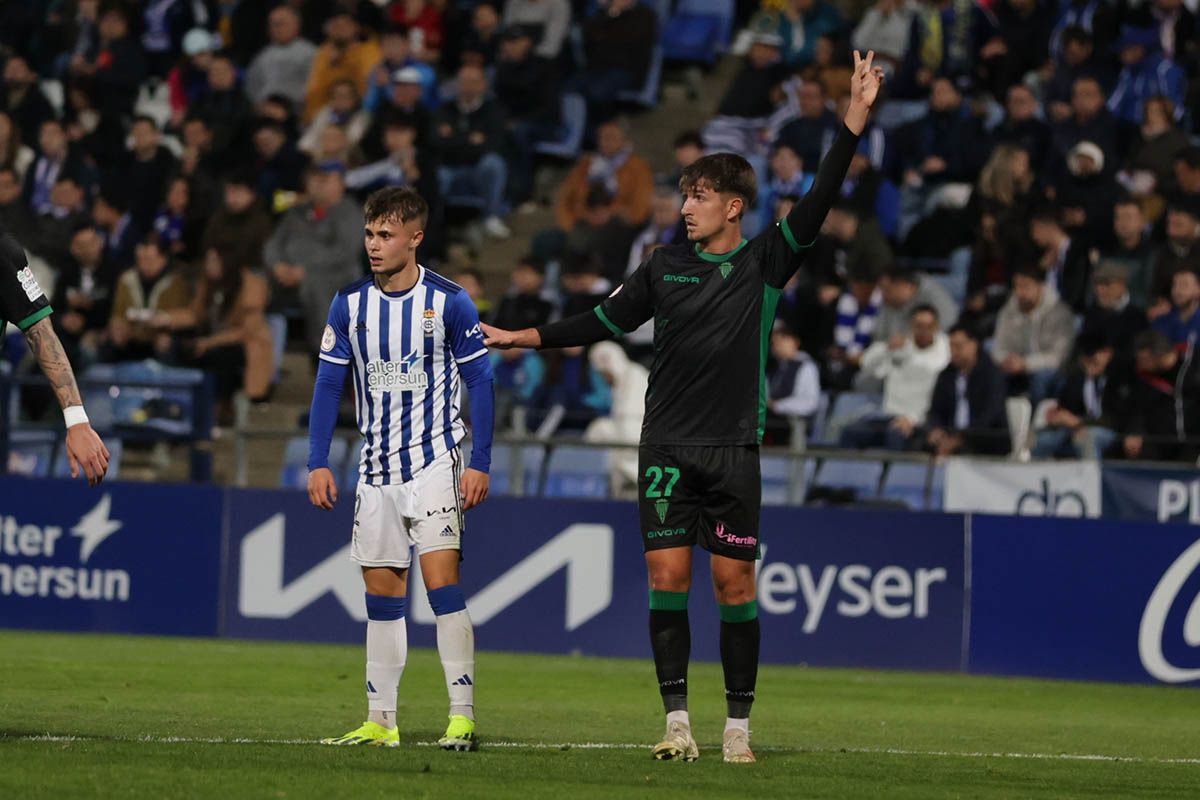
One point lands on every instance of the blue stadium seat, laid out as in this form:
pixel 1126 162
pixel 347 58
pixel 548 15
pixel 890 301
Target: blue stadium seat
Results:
pixel 501 474
pixel 861 476
pixel 698 31
pixel 905 481
pixel 577 472
pixel 574 121
pixel 647 95
pixel 294 473
pixel 62 464
pixel 846 407
pixel 777 475
pixel 30 452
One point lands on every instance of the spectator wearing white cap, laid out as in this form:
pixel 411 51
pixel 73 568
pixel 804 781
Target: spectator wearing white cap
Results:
pixel 282 66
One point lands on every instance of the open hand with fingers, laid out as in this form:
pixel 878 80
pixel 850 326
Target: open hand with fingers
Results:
pixel 86 453
pixel 322 488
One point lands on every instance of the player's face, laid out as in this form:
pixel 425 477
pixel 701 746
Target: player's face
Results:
pixel 391 244
pixel 706 213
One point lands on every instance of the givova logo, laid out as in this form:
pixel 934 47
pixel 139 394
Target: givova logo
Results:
pixel 24 547
pixel 1152 632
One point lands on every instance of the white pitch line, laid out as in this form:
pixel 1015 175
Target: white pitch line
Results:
pixel 486 744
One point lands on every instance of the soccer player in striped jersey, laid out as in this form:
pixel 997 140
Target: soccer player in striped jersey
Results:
pixel 410 337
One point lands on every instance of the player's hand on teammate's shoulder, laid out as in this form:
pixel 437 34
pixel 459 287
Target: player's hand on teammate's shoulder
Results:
pixel 322 488
pixel 506 340
pixel 474 488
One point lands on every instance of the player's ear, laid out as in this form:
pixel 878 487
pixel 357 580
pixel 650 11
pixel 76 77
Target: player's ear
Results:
pixel 416 240
pixel 734 208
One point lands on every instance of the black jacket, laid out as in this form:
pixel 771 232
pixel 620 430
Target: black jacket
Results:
pixel 986 391
pixel 528 90
pixel 452 129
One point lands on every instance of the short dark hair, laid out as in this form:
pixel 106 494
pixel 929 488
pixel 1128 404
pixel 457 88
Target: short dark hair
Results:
pixel 1046 213
pixel 1154 341
pixel 967 329
pixel 1190 156
pixel 533 262
pixel 152 239
pixel 1077 34
pixel 1091 343
pixel 1030 270
pixel 470 272
pixel 924 308
pixel 688 139
pixel 396 204
pixel 146 118
pixel 724 173
pixel 899 272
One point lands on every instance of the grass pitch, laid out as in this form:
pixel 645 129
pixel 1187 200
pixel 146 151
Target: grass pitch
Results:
pixel 108 716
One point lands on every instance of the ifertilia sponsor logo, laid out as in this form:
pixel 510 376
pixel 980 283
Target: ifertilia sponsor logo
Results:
pixel 729 538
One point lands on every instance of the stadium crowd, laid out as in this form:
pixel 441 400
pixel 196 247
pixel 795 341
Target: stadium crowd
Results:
pixel 1022 219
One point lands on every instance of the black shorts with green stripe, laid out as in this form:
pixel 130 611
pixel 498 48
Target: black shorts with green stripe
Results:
pixel 700 494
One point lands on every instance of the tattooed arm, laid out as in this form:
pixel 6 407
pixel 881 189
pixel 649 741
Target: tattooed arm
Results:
pixel 48 350
pixel 84 448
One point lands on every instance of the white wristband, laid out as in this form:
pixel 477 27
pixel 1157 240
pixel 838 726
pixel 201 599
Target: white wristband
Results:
pixel 74 415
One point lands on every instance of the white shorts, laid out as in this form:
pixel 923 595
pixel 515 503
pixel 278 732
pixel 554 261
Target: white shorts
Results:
pixel 425 513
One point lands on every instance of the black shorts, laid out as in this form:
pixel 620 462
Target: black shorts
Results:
pixel 711 495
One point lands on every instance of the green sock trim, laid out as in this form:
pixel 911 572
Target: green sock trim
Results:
pixel 740 613
pixel 668 601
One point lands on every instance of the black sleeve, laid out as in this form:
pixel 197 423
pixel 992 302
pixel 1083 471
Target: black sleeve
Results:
pixel 621 312
pixel 22 301
pixel 799 228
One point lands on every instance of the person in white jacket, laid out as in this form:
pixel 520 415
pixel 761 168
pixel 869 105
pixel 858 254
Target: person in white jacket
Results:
pixel 908 366
pixel 1035 331
pixel 624 424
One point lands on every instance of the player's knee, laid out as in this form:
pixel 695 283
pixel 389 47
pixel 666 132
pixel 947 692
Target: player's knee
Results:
pixel 735 588
pixel 669 579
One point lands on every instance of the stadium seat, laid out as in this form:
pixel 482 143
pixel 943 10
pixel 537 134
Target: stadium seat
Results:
pixel 784 480
pixel 647 95
pixel 698 31
pixel 860 476
pixel 294 473
pixel 30 452
pixel 502 466
pixel 574 121
pixel 576 472
pixel 62 464
pixel 905 481
pixel 887 208
pixel 848 407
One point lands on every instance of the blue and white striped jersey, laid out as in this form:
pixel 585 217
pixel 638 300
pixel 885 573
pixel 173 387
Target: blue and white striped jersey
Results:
pixel 405 349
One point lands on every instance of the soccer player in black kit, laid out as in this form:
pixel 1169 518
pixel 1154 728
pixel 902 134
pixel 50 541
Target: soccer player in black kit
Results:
pixel 24 304
pixel 713 303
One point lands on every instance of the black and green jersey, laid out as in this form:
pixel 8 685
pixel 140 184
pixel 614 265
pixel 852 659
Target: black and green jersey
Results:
pixel 22 301
pixel 712 321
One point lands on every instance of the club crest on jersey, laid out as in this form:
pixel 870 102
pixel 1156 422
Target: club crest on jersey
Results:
pixel 328 339
pixel 405 375
pixel 428 324
pixel 29 284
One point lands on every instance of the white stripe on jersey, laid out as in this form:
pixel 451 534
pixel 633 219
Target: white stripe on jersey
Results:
pixel 407 402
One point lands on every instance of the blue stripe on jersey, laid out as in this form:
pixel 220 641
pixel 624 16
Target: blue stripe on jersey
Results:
pixel 427 364
pixel 364 389
pixel 385 398
pixel 447 405
pixel 406 398
pixel 444 284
